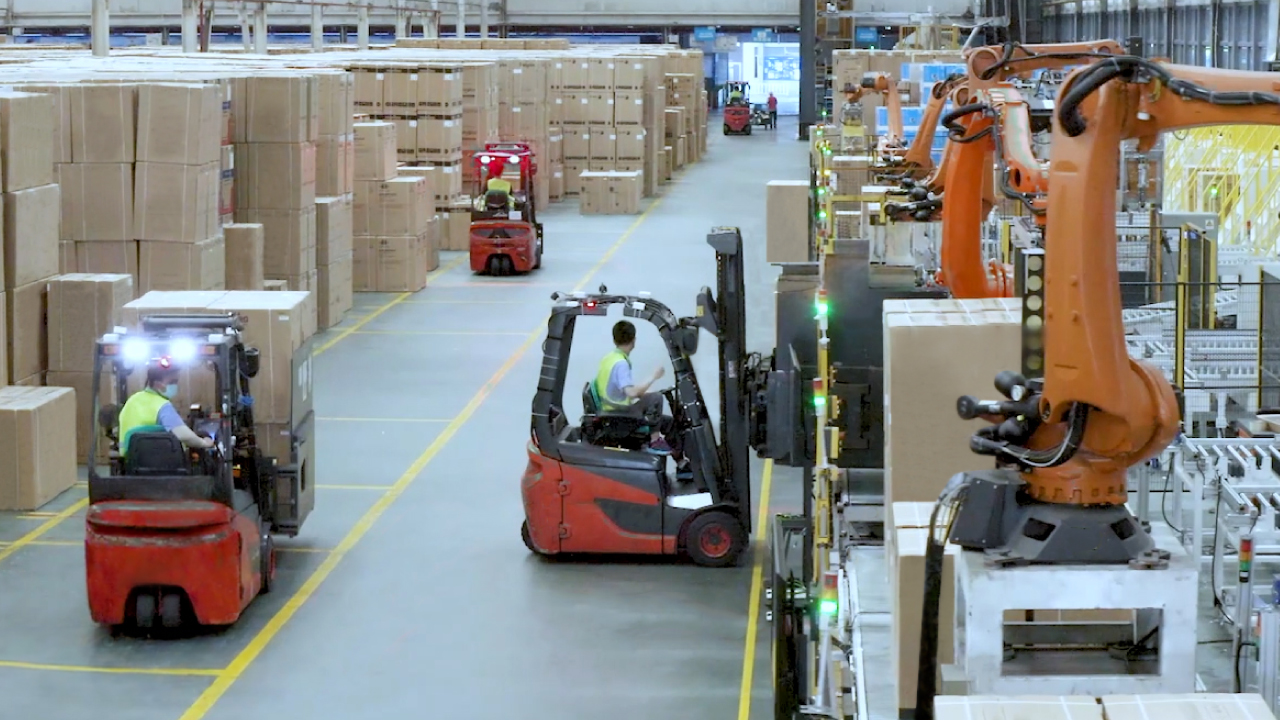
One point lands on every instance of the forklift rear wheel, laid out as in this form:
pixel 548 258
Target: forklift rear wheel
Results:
pixel 715 539
pixel 508 266
pixel 144 610
pixel 493 265
pixel 268 562
pixel 748 130
pixel 537 256
pixel 528 539
pixel 727 131
pixel 171 610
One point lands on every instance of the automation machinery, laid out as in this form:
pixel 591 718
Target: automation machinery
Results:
pixel 737 110
pixel 172 534
pixel 506 237
pixel 590 488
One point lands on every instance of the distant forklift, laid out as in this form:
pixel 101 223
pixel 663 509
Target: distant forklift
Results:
pixel 174 534
pixel 505 235
pixel 591 488
pixel 737 108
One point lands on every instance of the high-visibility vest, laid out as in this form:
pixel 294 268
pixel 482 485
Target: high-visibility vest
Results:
pixel 140 413
pixel 497 183
pixel 602 381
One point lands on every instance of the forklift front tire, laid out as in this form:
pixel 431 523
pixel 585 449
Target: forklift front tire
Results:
pixel 715 539
pixel 528 539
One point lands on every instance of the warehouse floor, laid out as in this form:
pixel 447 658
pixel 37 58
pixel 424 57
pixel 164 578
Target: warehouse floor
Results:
pixel 409 589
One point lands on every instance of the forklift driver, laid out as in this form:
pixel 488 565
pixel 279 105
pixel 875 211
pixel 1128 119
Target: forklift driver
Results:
pixel 497 183
pixel 150 410
pixel 619 393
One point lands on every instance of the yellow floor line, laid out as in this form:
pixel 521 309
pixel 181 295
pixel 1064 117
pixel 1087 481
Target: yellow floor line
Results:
pixel 187 672
pixel 45 527
pixel 754 599
pixel 245 658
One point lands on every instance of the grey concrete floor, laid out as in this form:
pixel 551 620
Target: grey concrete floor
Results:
pixel 408 592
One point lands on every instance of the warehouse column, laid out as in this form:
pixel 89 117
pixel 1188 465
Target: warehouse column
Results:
pixel 259 29
pixel 190 26
pixel 362 31
pixel 431 22
pixel 484 18
pixel 462 18
pixel 404 28
pixel 808 61
pixel 317 28
pixel 101 28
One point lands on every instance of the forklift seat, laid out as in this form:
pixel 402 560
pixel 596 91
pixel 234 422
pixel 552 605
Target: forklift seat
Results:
pixel 610 428
pixel 156 454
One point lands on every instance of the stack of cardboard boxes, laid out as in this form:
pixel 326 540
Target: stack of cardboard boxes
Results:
pixel 278 124
pixel 31 217
pixel 611 192
pixel 82 308
pixel 39 463
pixel 481 119
pixel 176 213
pixel 335 188
pixel 393 217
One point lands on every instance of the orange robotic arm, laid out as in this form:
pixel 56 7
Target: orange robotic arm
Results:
pixel 918 160
pixel 885 85
pixel 992 65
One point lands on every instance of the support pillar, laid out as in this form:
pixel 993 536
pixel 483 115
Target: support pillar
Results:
pixel 246 34
pixel 484 18
pixel 317 28
pixel 101 28
pixel 403 24
pixel 190 26
pixel 808 62
pixel 462 18
pixel 259 29
pixel 362 29
pixel 431 23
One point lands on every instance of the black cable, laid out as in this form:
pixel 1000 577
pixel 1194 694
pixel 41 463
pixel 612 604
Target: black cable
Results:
pixel 927 671
pixel 1235 666
pixel 1164 497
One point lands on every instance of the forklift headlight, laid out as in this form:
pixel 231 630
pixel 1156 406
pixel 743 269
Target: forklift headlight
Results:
pixel 136 350
pixel 182 350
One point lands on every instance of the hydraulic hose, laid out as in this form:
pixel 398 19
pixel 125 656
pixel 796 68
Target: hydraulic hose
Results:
pixel 927 675
pixel 957 131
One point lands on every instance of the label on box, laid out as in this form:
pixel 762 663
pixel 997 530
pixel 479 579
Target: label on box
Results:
pixel 610 66
pixel 448 77
pixel 448 123
pixel 413 123
pixel 558 101
pixel 517 71
pixel 414 77
pixel 639 101
pixel 448 170
pixel 378 76
pixel 613 137
pixel 584 101
pixel 559 66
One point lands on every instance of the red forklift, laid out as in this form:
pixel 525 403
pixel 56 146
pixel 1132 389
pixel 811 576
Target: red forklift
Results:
pixel 737 108
pixel 177 537
pixel 592 487
pixel 506 237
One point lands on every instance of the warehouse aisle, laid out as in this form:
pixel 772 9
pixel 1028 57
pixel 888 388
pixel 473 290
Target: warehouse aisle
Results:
pixel 409 589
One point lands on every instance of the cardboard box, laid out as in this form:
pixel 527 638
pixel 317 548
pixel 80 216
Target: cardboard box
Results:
pixel 227 185
pixel 279 108
pixel 26 309
pixel 367 89
pixel 335 165
pixel 4 339
pixel 787 221
pixel 921 385
pixel 599 108
pixel 103 123
pixel 390 264
pixel 82 384
pixel 179 123
pixel 182 266
pixel 34 424
pixel 573 178
pixel 334 229
pixel 176 203
pixel 244 256
pixel 601 73
pixel 440 137
pixel 31 234
pixel 289 240
pixel 335 290
pixel 337 93
pixel 1037 707
pixel 276 176
pixel 1199 706
pixel 82 308
pixel 906 580
pixel 628 107
pixel 674 122
pixel 629 74
pixel 401 207
pixel 97 201
pixel 375 151
pixel 61 96
pixel 66 259
pixel 577 143
pixel 631 143
pixel 603 144
pixel 610 193
pixel 439 86
pixel 455 233
pixel 108 257
pixel 400 91
pixel 26 142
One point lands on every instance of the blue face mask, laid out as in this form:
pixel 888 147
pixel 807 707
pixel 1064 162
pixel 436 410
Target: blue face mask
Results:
pixel 170 390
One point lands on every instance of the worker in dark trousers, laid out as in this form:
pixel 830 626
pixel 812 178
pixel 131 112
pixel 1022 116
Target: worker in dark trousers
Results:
pixel 151 410
pixel 619 393
pixel 773 112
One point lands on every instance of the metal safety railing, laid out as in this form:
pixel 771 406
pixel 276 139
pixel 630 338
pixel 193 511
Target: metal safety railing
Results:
pixel 1233 171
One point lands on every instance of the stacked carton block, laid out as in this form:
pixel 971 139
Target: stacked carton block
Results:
pixel 244 256
pixel 177 180
pixel 393 218
pixel 82 307
pixel 335 248
pixel 480 120
pixel 279 124
pixel 424 101
pixel 39 462
pixel 611 193
pixel 31 218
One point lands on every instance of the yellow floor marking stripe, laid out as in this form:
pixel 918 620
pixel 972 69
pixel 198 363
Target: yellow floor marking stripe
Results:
pixel 754 599
pixel 187 672
pixel 45 527
pixel 379 310
pixel 245 658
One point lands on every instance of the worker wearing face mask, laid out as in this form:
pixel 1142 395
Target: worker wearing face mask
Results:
pixel 150 410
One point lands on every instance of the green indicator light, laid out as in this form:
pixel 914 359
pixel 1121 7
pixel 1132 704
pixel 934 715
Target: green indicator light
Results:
pixel 822 214
pixel 819 401
pixel 822 309
pixel 827 607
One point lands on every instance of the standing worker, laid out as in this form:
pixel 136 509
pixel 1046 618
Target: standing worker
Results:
pixel 151 410
pixel 773 112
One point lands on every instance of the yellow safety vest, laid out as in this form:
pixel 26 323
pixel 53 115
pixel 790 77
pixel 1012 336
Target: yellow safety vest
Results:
pixel 140 413
pixel 602 381
pixel 498 183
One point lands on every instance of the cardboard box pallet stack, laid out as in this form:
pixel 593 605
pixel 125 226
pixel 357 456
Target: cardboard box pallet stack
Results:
pixel 335 191
pixel 852 65
pixel 604 126
pixel 393 217
pixel 31 217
